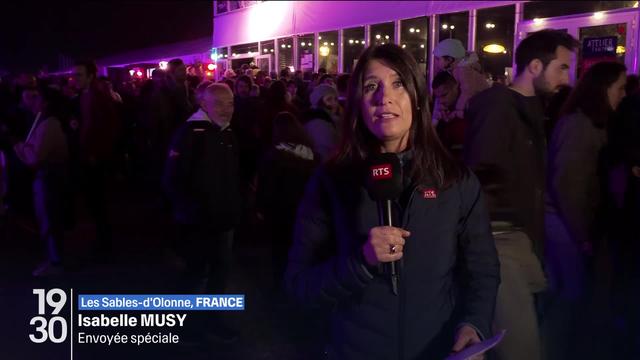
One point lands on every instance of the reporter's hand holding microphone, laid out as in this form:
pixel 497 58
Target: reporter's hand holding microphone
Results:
pixel 385 244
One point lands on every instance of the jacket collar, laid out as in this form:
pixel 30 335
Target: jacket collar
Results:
pixel 200 115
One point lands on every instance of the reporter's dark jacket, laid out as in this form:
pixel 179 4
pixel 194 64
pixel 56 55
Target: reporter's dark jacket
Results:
pixel 201 175
pixel 450 235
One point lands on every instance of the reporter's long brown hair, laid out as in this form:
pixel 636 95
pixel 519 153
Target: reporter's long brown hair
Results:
pixel 432 163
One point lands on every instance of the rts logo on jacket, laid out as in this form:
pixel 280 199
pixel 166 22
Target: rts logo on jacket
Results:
pixel 429 194
pixel 381 172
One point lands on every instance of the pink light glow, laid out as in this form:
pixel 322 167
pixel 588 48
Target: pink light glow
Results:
pixel 267 18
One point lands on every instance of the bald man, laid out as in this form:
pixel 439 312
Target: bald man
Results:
pixel 201 180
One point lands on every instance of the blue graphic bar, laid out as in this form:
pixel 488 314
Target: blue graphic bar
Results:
pixel 161 302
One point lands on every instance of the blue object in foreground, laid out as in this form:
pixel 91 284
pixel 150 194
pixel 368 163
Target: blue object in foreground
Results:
pixel 478 348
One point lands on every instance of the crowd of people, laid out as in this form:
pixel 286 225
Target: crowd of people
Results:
pixel 528 186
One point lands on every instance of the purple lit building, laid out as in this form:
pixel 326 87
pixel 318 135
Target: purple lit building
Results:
pixel 308 35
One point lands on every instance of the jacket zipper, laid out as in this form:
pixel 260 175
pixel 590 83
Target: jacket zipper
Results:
pixel 401 290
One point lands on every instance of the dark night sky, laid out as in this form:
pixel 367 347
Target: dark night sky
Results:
pixel 32 34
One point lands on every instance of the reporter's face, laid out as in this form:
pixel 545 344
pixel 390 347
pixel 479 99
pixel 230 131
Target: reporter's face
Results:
pixel 386 105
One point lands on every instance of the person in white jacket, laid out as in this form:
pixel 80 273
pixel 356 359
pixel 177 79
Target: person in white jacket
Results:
pixel 45 151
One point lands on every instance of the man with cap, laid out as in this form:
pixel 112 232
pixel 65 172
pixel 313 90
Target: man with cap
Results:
pixel 322 120
pixel 451 56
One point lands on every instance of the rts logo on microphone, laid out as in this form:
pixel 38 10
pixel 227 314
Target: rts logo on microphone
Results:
pixel 381 172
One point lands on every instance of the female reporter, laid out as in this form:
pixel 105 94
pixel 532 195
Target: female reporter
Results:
pixel 446 260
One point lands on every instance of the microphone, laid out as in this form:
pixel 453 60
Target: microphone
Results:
pixel 384 184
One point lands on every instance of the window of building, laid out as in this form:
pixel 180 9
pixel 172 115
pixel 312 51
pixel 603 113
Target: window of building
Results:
pixel 285 53
pixel 221 7
pixel 306 51
pixel 545 9
pixel 220 53
pixel 242 54
pixel 266 62
pixel 353 43
pixel 382 34
pixel 244 50
pixel 494 39
pixel 235 5
pixel 328 51
pixel 454 26
pixel 414 39
pixel 267 47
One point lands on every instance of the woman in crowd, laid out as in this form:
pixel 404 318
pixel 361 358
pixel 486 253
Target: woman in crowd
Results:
pixel 624 211
pixel 574 219
pixel 278 100
pixel 442 244
pixel 45 151
pixel 243 86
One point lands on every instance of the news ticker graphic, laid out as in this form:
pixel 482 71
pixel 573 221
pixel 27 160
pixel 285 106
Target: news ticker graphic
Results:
pixel 50 326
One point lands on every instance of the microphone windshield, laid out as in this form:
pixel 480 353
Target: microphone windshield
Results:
pixel 384 177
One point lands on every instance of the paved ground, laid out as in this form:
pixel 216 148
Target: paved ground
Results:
pixel 269 328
